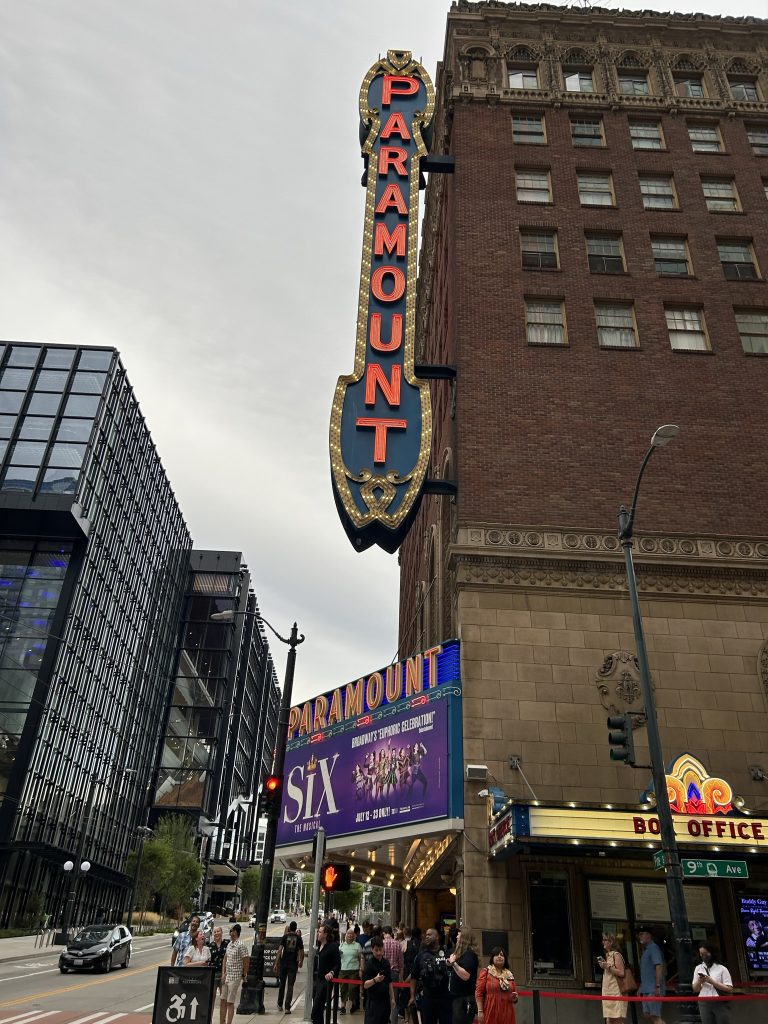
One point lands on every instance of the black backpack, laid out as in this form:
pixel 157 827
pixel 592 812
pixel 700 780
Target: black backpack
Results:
pixel 434 971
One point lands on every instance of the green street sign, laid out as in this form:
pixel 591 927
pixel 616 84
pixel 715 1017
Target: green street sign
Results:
pixel 713 868
pixel 658 860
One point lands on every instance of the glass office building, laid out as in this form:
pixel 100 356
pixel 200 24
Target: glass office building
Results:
pixel 94 555
pixel 222 719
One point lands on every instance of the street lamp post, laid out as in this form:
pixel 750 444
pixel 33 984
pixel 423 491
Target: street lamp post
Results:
pixel 83 866
pixel 252 1000
pixel 673 873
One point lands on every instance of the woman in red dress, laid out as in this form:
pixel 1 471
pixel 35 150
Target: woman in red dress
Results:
pixel 496 992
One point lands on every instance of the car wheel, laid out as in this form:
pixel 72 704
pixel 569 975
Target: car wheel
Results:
pixel 126 961
pixel 107 964
pixel 64 970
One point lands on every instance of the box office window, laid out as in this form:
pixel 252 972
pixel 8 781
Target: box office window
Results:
pixel 551 939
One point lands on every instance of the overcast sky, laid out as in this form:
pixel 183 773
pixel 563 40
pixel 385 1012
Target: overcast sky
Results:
pixel 180 179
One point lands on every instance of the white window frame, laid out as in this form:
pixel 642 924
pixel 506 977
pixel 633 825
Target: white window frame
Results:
pixel 530 171
pixel 540 308
pixel 721 202
pixel 620 328
pixel 757 134
pixel 673 257
pixel 528 255
pixel 743 83
pixel 523 73
pixel 584 139
pixel 741 269
pixel 671 193
pixel 595 175
pixel 746 318
pixel 579 79
pixel 694 82
pixel 712 143
pixel 638 140
pixel 531 138
pixel 617 254
pixel 687 323
pixel 634 77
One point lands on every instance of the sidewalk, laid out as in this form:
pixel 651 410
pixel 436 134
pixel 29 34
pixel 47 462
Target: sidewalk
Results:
pixel 22 947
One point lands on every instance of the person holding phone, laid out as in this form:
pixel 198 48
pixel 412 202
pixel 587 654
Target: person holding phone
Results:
pixel 613 967
pixel 377 982
pixel 711 979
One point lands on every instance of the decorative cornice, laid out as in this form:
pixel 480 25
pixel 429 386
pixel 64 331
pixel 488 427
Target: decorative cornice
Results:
pixel 548 543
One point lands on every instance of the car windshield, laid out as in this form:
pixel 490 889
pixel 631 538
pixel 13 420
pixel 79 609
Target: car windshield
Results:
pixel 93 935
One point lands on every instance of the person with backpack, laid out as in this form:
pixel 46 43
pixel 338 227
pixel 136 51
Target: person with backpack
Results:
pixel 429 981
pixel 290 957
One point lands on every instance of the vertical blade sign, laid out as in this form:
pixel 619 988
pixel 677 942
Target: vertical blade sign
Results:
pixel 381 421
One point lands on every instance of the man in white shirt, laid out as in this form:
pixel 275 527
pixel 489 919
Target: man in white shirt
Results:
pixel 711 979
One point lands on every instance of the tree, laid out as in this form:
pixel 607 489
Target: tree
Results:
pixel 250 881
pixel 154 872
pixel 345 902
pixel 176 833
pixel 376 898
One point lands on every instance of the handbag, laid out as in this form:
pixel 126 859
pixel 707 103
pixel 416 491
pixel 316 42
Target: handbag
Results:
pixel 627 984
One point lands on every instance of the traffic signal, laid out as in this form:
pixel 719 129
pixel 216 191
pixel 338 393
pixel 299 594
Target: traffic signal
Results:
pixel 620 739
pixel 270 796
pixel 336 878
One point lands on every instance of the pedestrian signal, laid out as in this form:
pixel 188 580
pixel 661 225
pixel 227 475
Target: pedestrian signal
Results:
pixel 336 878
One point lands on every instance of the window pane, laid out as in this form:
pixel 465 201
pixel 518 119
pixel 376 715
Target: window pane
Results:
pixel 550 925
pixel 657 193
pixel 59 481
pixel 587 131
pixel 533 186
pixel 37 428
pixel 646 135
pixel 523 78
pixel 753 330
pixel 744 90
pixel 670 256
pixel 6 425
pixel 28 453
pixel 70 455
pixel 737 259
pixel 75 430
pixel 95 359
pixel 704 138
pixel 15 380
pixel 579 81
pixel 81 405
pixel 539 250
pixel 10 401
pixel 595 189
pixel 545 322
pixel 528 129
pixel 615 325
pixel 44 404
pixel 59 358
pixel 686 329
pixel 23 356
pixel 691 86
pixel 89 383
pixel 633 84
pixel 51 380
pixel 758 138
pixel 20 478
pixel 720 195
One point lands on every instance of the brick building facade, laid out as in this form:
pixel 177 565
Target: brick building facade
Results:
pixel 595 267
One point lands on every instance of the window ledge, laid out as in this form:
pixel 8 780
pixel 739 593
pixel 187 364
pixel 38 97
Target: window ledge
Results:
pixel 535 202
pixel 693 351
pixel 662 209
pixel 611 273
pixel 619 348
pixel 756 355
pixel 548 344
pixel 744 280
pixel 727 213
pixel 677 277
pixel 544 270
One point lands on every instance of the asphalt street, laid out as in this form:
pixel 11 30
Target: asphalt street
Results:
pixel 33 990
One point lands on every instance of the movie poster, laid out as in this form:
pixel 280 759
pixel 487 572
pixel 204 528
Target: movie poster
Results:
pixel 396 764
pixel 753 912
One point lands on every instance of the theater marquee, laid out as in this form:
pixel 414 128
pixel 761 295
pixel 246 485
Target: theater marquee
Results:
pixel 381 421
pixel 382 752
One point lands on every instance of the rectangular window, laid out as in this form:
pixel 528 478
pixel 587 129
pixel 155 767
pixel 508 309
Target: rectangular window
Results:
pixel 658 193
pixel 687 331
pixel 605 254
pixel 533 186
pixel 579 81
pixel 721 195
pixel 758 138
pixel 738 260
pixel 595 189
pixel 744 89
pixel 545 322
pixel 753 330
pixel 528 128
pixel 523 78
pixel 671 257
pixel 539 250
pixel 646 135
pixel 633 83
pixel 615 325
pixel 550 924
pixel 689 86
pixel 705 138
pixel 587 131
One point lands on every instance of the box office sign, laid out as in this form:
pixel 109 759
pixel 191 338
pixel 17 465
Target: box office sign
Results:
pixel 382 752
pixel 381 420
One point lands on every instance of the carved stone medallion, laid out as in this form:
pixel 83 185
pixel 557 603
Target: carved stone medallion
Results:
pixel 618 683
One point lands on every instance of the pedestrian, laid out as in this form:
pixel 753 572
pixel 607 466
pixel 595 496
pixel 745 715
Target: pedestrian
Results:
pixel 351 968
pixel 233 972
pixel 218 949
pixel 377 982
pixel 393 954
pixel 462 981
pixel 496 992
pixel 328 966
pixel 185 937
pixel 429 981
pixel 410 952
pixel 712 979
pixel 198 954
pixel 613 968
pixel 290 957
pixel 652 975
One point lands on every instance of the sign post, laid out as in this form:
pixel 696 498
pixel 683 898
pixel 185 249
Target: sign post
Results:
pixel 319 851
pixel 184 995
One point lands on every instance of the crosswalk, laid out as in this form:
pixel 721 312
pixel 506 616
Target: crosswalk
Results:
pixel 72 1017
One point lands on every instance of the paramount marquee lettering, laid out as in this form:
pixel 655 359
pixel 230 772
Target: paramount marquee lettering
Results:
pixel 722 828
pixel 405 679
pixel 381 422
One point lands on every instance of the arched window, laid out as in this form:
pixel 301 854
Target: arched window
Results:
pixel 522 68
pixel 578 72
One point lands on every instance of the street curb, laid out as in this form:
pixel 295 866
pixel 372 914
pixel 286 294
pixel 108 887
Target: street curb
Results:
pixel 42 951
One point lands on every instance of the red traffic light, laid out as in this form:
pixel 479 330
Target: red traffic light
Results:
pixel 272 785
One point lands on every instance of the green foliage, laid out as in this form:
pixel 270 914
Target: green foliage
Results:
pixel 154 871
pixel 345 902
pixel 376 898
pixel 177 832
pixel 250 882
pixel 169 865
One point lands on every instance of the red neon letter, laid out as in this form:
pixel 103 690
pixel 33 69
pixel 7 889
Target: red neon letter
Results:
pixel 383 239
pixel 398 284
pixel 397 333
pixel 396 126
pixel 380 437
pixel 392 198
pixel 392 156
pixel 397 85
pixel 374 374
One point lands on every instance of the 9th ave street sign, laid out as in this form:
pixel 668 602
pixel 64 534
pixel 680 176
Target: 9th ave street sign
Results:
pixel 706 868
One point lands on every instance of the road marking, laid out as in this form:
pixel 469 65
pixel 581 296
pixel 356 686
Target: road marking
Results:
pixel 74 988
pixel 82 1020
pixel 139 1010
pixel 25 1018
pixel 114 1016
pixel 20 977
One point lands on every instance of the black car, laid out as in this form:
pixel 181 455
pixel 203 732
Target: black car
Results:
pixel 97 947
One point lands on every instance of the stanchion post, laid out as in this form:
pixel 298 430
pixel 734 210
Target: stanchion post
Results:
pixel 536 1007
pixel 319 849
